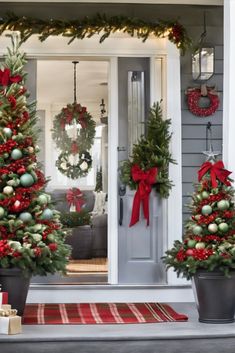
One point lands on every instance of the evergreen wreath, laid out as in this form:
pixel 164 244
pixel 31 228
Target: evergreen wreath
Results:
pixel 74 171
pixel 73 114
pixel 193 98
pixel 150 152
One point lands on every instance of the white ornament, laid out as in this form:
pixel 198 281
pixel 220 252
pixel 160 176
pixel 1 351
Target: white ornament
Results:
pixel 63 166
pixel 84 166
pixel 37 237
pixel 14 244
pixel 8 190
pixel 17 203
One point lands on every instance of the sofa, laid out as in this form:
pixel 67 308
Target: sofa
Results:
pixel 87 241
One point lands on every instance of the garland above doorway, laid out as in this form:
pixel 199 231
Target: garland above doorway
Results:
pixel 98 24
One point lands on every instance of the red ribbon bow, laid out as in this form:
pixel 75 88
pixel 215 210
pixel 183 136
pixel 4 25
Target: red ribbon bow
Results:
pixel 6 78
pixel 74 197
pixel 217 172
pixel 145 180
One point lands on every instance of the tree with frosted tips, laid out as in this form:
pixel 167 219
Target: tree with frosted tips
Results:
pixel 31 237
pixel 209 239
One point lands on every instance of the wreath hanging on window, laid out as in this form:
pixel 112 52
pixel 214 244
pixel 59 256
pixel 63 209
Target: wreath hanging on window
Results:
pixel 73 129
pixel 74 165
pixel 193 98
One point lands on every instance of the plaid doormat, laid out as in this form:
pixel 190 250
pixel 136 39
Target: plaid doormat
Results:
pixel 99 313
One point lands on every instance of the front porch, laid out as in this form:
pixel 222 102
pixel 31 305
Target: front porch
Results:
pixel 190 337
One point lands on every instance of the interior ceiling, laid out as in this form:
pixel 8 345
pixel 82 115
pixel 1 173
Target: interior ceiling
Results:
pixel 55 84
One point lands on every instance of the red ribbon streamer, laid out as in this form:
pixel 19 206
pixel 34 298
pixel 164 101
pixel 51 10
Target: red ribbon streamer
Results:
pixel 217 172
pixel 145 180
pixel 74 197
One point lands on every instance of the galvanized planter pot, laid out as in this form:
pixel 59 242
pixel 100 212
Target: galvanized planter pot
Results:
pixel 215 296
pixel 17 285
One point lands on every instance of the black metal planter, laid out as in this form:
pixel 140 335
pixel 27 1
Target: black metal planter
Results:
pixel 17 285
pixel 215 296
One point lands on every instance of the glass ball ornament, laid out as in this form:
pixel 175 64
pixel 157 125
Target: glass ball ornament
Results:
pixel 42 199
pixel 197 230
pixel 8 190
pixel 47 214
pixel 206 210
pixel 223 205
pixel 200 245
pixel 223 227
pixel 191 243
pixel 26 180
pixel 16 154
pixel 25 217
pixel 7 132
pixel 205 195
pixel 2 212
pixel 218 220
pixel 213 228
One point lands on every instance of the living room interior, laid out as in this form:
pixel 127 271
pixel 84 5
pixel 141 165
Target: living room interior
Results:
pixel 57 81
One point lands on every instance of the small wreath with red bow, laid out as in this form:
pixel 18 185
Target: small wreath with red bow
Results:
pixel 72 166
pixel 193 98
pixel 82 125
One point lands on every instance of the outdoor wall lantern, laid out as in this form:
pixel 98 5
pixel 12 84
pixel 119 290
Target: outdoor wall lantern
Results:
pixel 203 58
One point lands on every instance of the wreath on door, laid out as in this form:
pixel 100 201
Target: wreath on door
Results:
pixel 193 98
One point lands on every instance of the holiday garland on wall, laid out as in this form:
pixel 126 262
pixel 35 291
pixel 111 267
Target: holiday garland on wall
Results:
pixel 98 24
pixel 30 232
pixel 148 166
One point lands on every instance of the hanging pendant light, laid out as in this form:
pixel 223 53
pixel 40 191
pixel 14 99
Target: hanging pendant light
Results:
pixel 203 58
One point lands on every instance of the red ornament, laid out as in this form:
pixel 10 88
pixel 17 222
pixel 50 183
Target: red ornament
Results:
pixel 194 95
pixel 189 252
pixel 37 251
pixel 21 170
pixel 53 246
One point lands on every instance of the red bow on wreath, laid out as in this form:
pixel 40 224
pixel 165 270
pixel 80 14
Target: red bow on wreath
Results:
pixel 74 197
pixel 217 171
pixel 145 180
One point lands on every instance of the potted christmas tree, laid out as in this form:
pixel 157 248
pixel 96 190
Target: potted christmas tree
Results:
pixel 207 252
pixel 31 239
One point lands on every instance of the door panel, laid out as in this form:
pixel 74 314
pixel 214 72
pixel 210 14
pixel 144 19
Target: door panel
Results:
pixel 139 247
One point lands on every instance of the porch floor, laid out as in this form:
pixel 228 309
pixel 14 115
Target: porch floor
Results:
pixel 190 337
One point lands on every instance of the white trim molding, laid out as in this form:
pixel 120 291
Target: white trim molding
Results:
pixel 153 2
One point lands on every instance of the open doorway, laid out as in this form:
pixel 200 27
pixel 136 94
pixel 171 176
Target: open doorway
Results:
pixel 84 212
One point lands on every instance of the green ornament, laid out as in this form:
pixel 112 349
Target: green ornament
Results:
pixel 47 214
pixel 51 237
pixel 198 197
pixel 26 180
pixel 218 220
pixel 223 205
pixel 16 154
pixel 223 227
pixel 25 217
pixel 34 175
pixel 205 195
pixel 7 132
pixel 37 237
pixel 2 212
pixel 191 243
pixel 42 199
pixel 200 245
pixel 2 197
pixel 5 155
pixel 197 230
pixel 207 209
pixel 213 228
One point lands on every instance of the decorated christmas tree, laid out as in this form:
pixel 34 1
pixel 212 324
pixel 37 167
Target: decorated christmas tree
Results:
pixel 30 231
pixel 209 239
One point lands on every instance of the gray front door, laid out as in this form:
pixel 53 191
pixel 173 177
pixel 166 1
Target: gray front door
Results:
pixel 139 247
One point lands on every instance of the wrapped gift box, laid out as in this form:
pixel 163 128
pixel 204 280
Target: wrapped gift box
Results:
pixel 3 298
pixel 10 325
pixel 5 307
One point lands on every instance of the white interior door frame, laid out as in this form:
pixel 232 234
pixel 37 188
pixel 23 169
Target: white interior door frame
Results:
pixel 112 48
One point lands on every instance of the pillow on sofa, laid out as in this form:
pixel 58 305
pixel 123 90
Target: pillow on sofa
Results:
pixel 100 203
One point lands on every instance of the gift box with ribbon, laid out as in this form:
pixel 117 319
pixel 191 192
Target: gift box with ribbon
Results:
pixel 10 322
pixel 3 298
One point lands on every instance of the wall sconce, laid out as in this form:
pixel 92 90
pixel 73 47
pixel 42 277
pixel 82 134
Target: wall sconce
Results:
pixel 203 58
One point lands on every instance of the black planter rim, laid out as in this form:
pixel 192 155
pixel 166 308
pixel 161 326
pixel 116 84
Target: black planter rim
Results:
pixel 12 272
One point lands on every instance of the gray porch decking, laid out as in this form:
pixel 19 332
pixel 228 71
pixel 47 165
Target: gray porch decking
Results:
pixel 190 337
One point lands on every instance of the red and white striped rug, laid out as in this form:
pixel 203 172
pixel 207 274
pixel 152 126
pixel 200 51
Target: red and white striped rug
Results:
pixel 99 313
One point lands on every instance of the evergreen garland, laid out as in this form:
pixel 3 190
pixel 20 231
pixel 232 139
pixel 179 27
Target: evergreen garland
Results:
pixel 98 24
pixel 152 151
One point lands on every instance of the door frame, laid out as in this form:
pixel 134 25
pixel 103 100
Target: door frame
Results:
pixel 115 46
